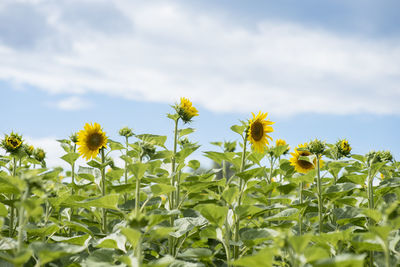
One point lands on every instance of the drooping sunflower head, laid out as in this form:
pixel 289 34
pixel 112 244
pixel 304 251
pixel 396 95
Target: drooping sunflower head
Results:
pixel 300 165
pixel 29 149
pixel 11 143
pixel 91 140
pixel 258 130
pixel 39 154
pixel 185 110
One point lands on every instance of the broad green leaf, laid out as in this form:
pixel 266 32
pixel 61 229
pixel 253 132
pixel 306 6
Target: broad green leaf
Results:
pixel 50 252
pixel 314 253
pixel 340 189
pixel 138 169
pixel 357 178
pixel 213 213
pixel 94 163
pixel 218 157
pixel 18 259
pixel 70 157
pixel 260 259
pixel 299 243
pixel 239 129
pixel 132 235
pixel 156 140
pixel 343 260
pixel 186 131
pixel 3 210
pixel 115 174
pixel 115 145
pixel 186 224
pixel 196 253
pixel 252 173
pixel 347 214
pixel 305 178
pixel 289 214
pixel 194 164
pixel 114 241
pixel 159 232
pixel 230 194
pixel 7 187
pixel 107 202
pixel 161 189
pixel 41 231
pixel 79 240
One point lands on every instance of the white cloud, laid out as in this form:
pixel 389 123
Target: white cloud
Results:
pixel 72 103
pixel 171 51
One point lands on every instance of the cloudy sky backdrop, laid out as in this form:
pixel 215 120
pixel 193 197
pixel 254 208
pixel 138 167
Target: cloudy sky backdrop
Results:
pixel 326 69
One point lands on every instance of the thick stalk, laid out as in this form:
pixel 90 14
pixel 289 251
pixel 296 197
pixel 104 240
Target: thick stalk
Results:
pixel 172 204
pixel 21 220
pixel 137 193
pixel 300 215
pixel 236 247
pixel 11 225
pixel 103 190
pixel 370 206
pixel 319 188
pixel 126 166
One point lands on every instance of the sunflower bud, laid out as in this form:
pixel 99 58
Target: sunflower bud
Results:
pixel 343 148
pixel 385 156
pixel 185 110
pixel 281 142
pixel 74 138
pixel 316 147
pixel 372 157
pixel 126 131
pixel 147 150
pixel 39 154
pixel 11 143
pixel 29 149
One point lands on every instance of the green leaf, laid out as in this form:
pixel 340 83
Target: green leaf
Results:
pixel 305 178
pixel 261 259
pixel 252 173
pixel 194 164
pixel 196 253
pixel 299 243
pixel 70 157
pixel 50 252
pixel 315 253
pixel 18 259
pixel 115 145
pixel 183 132
pixel 230 194
pixel 357 178
pixel 343 260
pixel 359 158
pixel 213 213
pixel 114 241
pixel 340 189
pixel 186 224
pixel 289 214
pixel 3 210
pixel 218 157
pixel 41 231
pixel 93 163
pixel 7 187
pixel 115 174
pixel 132 235
pixel 347 214
pixel 239 129
pixel 156 140
pixel 161 189
pixel 107 202
pixel 138 169
pixel 79 240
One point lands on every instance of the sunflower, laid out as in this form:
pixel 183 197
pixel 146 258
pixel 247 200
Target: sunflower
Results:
pixel 11 143
pixel 91 140
pixel 186 111
pixel 280 142
pixel 257 131
pixel 302 166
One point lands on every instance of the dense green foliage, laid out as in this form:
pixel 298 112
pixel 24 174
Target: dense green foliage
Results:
pixel 162 209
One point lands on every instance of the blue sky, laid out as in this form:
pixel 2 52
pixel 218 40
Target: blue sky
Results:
pixel 322 69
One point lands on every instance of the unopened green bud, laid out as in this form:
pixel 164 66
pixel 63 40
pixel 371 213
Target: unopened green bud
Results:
pixel 316 147
pixel 29 149
pixel 127 132
pixel 74 138
pixel 39 154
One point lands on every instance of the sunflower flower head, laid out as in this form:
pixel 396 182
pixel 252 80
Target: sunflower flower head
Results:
pixel 258 130
pixel 301 165
pixel 343 148
pixel 91 140
pixel 185 110
pixel 11 143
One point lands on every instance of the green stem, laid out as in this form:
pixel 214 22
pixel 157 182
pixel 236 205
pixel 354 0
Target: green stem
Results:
pixel 21 219
pixel 370 206
pixel 137 194
pixel 237 227
pixel 126 167
pixel 11 225
pixel 300 215
pixel 103 189
pixel 319 188
pixel 172 204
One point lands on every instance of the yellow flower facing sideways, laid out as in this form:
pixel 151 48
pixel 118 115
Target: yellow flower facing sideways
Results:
pixel 91 140
pixel 186 110
pixel 303 166
pixel 258 131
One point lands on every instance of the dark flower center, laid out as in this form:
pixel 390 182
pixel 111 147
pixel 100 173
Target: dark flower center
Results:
pixel 303 163
pixel 94 141
pixel 257 131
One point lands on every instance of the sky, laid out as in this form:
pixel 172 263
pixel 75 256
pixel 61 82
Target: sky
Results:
pixel 321 69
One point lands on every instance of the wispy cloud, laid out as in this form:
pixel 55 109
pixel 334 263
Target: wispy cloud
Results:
pixel 163 50
pixel 72 103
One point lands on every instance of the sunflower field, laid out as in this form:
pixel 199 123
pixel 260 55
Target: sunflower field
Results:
pixel 262 203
